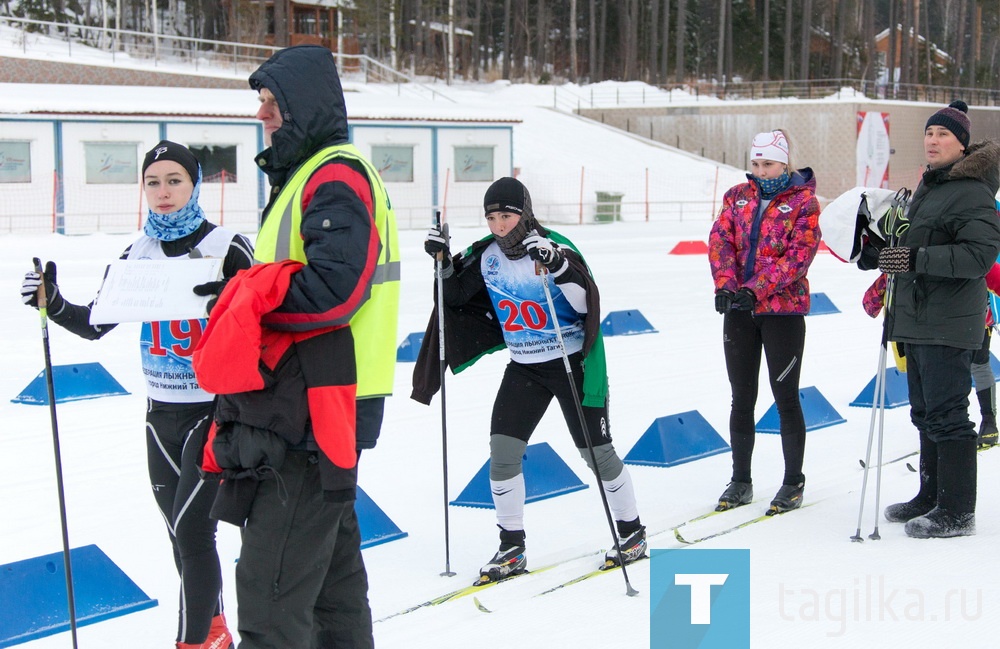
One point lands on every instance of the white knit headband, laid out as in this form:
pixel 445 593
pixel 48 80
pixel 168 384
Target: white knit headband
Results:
pixel 770 145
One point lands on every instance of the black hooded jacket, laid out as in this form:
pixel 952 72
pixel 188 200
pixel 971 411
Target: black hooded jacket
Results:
pixel 338 219
pixel 311 100
pixel 341 244
pixel 956 230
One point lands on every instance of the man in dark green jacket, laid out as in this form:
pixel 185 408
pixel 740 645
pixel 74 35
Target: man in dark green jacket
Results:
pixel 937 309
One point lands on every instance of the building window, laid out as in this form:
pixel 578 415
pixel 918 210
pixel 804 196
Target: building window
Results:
pixel 324 24
pixel 305 22
pixel 218 162
pixel 15 161
pixel 394 163
pixel 111 163
pixel 473 164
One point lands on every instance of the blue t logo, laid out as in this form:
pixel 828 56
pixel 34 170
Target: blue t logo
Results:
pixel 699 599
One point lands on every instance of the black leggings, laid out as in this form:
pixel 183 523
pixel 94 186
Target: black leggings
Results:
pixel 175 434
pixel 782 338
pixel 525 394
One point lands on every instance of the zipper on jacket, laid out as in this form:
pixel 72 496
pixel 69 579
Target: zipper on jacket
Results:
pixel 754 239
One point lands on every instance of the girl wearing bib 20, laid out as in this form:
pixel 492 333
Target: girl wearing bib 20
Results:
pixel 499 273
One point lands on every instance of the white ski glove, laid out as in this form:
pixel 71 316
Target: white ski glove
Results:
pixel 546 252
pixel 33 279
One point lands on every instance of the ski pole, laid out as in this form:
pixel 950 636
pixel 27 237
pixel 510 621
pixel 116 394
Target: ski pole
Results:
pixel 881 436
pixel 876 402
pixel 540 269
pixel 892 224
pixel 439 269
pixel 898 224
pixel 50 387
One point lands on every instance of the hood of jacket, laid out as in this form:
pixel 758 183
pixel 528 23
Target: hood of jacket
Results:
pixel 304 81
pixel 980 162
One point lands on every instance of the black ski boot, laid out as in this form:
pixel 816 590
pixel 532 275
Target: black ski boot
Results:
pixel 788 497
pixel 508 561
pixel 926 498
pixel 631 540
pixel 988 427
pixel 955 514
pixel 736 494
pixel 988 434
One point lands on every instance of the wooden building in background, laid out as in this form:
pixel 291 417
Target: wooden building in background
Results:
pixel 313 22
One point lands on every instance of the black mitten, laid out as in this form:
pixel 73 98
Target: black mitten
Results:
pixel 869 256
pixel 211 288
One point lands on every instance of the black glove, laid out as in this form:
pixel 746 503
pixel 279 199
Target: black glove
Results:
pixel 899 259
pixel 32 280
pixel 545 252
pixel 869 256
pixel 723 301
pixel 211 288
pixel 437 243
pixel 744 300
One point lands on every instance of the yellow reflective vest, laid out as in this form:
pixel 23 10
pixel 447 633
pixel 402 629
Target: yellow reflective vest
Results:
pixel 374 324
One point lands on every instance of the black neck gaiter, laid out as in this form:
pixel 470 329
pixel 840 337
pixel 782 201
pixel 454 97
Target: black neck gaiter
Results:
pixel 512 243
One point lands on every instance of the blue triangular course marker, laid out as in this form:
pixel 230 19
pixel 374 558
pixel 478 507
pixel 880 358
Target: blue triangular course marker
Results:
pixel 408 349
pixel 816 409
pixel 545 476
pixel 676 439
pixel 820 304
pixel 626 323
pixel 896 392
pixel 33 594
pixel 375 526
pixel 71 383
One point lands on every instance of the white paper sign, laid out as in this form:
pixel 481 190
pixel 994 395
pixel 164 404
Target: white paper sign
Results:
pixel 143 290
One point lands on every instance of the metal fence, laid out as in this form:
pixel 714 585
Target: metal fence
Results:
pixel 642 94
pixel 203 55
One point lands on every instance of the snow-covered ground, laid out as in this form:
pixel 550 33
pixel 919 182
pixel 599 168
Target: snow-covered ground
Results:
pixel 810 584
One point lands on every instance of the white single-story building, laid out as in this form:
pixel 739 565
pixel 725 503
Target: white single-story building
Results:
pixel 70 156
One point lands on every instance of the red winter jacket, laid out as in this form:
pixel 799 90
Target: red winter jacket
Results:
pixel 239 357
pixel 769 254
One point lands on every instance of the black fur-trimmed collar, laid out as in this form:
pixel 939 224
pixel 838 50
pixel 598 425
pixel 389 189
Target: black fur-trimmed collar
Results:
pixel 980 162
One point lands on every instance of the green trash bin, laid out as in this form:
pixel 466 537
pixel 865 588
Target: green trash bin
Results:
pixel 609 207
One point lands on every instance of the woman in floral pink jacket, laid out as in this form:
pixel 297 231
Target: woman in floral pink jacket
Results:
pixel 760 249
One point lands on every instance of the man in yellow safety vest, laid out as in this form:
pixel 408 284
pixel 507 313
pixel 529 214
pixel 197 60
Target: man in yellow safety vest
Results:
pixel 329 233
